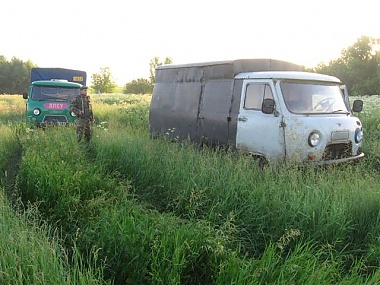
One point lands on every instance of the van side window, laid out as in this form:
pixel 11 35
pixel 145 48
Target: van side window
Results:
pixel 255 94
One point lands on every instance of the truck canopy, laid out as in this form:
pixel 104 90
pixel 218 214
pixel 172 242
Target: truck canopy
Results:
pixel 200 101
pixel 71 75
pixel 219 69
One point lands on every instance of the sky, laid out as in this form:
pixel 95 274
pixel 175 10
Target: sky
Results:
pixel 125 35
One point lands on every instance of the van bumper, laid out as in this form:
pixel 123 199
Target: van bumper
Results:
pixel 336 161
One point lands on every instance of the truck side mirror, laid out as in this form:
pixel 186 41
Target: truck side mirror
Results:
pixel 25 95
pixel 267 107
pixel 357 106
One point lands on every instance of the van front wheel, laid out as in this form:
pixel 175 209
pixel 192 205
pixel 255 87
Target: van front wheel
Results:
pixel 259 160
pixel 262 162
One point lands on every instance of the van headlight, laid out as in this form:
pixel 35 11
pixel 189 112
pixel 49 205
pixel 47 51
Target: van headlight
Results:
pixel 358 135
pixel 314 139
pixel 36 112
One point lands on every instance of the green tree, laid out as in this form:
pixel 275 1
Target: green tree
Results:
pixel 4 67
pixel 358 67
pixel 138 86
pixel 142 85
pixel 14 75
pixel 102 82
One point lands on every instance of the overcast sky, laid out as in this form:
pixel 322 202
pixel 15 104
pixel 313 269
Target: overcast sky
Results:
pixel 126 35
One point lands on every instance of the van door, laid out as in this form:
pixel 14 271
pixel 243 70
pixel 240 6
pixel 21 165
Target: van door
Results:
pixel 258 133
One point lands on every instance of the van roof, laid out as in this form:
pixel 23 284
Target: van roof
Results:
pixel 250 64
pixel 219 69
pixel 55 83
pixel 292 75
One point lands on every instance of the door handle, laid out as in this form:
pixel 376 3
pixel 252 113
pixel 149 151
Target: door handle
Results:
pixel 243 119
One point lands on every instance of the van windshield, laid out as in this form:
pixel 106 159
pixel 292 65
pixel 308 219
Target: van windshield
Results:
pixel 42 93
pixel 313 98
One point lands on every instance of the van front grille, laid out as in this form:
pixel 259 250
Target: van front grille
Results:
pixel 337 151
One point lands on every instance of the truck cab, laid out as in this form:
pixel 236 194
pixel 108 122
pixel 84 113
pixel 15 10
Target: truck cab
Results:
pixel 50 94
pixel 306 117
pixel 270 109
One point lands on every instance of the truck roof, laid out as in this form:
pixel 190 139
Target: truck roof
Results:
pixel 292 75
pixel 56 83
pixel 48 73
pixel 251 64
pixel 227 69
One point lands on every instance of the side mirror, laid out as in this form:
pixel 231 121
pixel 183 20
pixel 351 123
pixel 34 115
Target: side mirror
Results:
pixel 357 106
pixel 25 95
pixel 268 106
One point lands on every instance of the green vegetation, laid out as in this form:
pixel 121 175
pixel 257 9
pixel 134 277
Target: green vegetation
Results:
pixel 14 75
pixel 358 67
pixel 127 209
pixel 30 249
pixel 102 82
pixel 143 85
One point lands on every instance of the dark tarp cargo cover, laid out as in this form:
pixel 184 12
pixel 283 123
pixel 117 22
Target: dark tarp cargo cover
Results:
pixel 200 101
pixel 220 69
pixel 71 75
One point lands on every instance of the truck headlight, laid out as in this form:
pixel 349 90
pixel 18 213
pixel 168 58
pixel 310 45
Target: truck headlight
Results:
pixel 358 135
pixel 36 112
pixel 72 114
pixel 314 139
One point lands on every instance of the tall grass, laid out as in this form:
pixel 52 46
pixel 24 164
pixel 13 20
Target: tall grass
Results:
pixel 12 108
pixel 30 250
pixel 139 245
pixel 335 205
pixel 120 112
pixel 31 254
pixel 157 212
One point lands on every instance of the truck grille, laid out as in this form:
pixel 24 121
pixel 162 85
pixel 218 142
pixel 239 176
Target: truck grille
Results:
pixel 55 120
pixel 337 151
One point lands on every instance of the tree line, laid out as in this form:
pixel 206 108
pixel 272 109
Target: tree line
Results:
pixel 143 85
pixel 15 78
pixel 358 67
pixel 14 75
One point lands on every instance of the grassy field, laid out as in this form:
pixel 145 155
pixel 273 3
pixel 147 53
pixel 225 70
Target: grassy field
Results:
pixel 130 210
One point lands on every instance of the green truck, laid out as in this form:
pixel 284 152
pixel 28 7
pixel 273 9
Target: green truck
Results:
pixel 50 94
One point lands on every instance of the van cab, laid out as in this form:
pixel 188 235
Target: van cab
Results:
pixel 297 116
pixel 267 108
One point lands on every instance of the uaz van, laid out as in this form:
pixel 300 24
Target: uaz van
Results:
pixel 267 108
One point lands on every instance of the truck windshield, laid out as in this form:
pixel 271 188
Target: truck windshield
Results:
pixel 42 93
pixel 313 98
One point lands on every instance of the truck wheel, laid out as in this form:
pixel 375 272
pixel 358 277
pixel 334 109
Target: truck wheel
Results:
pixel 259 161
pixel 262 162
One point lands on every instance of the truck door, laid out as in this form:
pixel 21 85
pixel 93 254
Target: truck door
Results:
pixel 258 133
